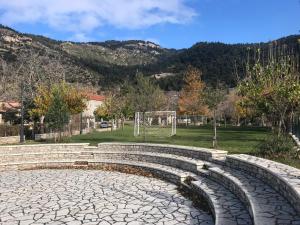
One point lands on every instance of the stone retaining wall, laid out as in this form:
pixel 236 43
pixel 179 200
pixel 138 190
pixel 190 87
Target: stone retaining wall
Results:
pixel 31 157
pixel 171 177
pixel 50 136
pixel 176 162
pixel 9 140
pixel 42 148
pixel 192 152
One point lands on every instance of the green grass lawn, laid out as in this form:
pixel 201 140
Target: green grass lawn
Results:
pixel 235 140
pixel 232 139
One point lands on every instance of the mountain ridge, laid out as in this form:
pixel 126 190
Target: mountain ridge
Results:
pixel 108 63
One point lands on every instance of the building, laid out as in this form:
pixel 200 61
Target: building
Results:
pixel 94 101
pixel 9 110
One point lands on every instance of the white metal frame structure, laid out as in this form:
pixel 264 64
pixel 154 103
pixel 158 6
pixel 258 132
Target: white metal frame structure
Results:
pixel 158 119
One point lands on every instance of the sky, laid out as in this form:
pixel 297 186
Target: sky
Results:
pixel 169 23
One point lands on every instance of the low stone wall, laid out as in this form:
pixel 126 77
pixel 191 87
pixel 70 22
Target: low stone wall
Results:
pixel 9 140
pixel 39 157
pixel 165 175
pixel 50 136
pixel 42 148
pixel 283 178
pixel 185 164
pixel 192 152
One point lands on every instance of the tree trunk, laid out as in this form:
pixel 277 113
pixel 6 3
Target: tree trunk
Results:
pixel 290 123
pixel 279 128
pixel 123 121
pixel 42 127
pixel 144 126
pixel 54 133
pixel 59 139
pixel 186 121
pixel 215 131
pixel 33 131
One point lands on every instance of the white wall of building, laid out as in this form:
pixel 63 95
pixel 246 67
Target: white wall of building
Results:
pixel 92 105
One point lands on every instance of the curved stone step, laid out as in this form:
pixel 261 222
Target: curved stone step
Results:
pixel 285 179
pixel 266 206
pixel 226 207
pixel 187 151
pixel 180 162
pixel 171 174
pixel 168 173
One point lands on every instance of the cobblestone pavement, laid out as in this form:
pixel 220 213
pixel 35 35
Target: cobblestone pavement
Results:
pixel 92 197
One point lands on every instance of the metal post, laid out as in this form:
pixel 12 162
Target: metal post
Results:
pixel 22 113
pixel 175 123
pixel 138 124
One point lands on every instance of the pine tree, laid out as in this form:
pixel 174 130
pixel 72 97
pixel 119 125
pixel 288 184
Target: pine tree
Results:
pixel 58 115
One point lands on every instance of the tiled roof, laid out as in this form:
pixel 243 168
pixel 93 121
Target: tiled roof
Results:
pixel 6 106
pixel 96 97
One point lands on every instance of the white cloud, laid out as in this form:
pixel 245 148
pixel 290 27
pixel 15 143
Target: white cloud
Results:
pixel 80 37
pixel 84 16
pixel 153 40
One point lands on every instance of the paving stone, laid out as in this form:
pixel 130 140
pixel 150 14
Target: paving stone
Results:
pixel 92 197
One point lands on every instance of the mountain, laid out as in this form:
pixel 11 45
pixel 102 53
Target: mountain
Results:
pixel 106 64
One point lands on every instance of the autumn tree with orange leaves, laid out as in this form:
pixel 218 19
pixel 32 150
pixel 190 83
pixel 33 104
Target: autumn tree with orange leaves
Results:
pixel 191 100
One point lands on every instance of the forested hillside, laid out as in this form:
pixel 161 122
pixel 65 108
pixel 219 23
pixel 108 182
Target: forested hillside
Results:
pixel 106 64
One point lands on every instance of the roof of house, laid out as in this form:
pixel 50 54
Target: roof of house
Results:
pixel 94 97
pixel 10 105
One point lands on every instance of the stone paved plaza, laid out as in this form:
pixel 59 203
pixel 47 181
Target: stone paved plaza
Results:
pixel 92 197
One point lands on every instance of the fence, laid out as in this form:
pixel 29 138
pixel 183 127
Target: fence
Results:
pixel 9 130
pixel 296 126
pixel 43 132
pixel 191 120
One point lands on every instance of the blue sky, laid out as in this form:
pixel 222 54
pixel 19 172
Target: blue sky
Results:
pixel 170 23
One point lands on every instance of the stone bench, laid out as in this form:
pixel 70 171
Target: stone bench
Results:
pixel 191 152
pixel 283 178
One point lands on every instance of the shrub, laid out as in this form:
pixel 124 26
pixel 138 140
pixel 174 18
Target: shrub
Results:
pixel 275 145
